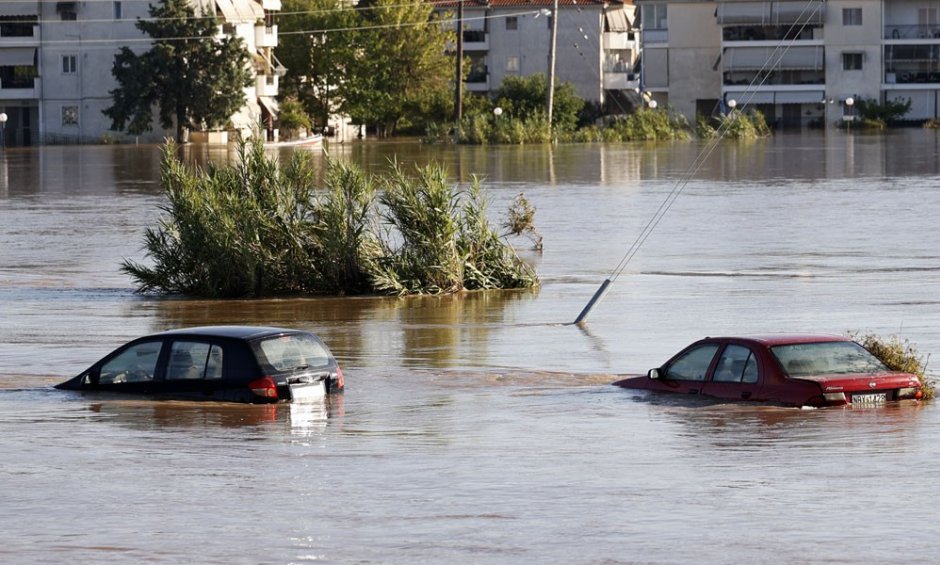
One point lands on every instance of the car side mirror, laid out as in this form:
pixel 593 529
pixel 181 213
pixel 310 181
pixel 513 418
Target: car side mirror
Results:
pixel 654 374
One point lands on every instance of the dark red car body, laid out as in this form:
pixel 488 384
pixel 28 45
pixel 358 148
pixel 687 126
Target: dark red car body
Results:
pixel 758 374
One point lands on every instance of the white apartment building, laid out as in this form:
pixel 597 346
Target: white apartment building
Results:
pixel 799 61
pixel 56 60
pixel 595 51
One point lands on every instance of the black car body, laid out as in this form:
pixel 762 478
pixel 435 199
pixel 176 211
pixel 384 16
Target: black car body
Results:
pixel 222 363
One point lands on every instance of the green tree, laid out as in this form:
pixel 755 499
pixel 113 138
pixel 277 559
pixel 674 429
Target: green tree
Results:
pixel 401 66
pixel 195 77
pixel 317 50
pixel 524 97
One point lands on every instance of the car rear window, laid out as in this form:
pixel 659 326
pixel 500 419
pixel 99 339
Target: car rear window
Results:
pixel 295 351
pixel 826 358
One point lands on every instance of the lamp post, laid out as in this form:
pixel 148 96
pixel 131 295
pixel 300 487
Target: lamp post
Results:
pixel 653 104
pixel 849 102
pixel 3 129
pixel 497 112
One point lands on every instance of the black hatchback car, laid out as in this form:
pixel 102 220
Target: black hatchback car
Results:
pixel 223 363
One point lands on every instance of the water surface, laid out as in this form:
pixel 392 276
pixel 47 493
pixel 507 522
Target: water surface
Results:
pixel 481 427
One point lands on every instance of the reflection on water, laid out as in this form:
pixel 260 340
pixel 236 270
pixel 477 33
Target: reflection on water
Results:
pixel 481 428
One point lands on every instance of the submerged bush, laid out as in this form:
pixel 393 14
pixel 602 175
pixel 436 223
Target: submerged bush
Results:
pixel 259 228
pixel 445 240
pixel 897 355
pixel 749 124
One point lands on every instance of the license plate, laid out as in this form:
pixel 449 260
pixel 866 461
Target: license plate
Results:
pixel 869 399
pixel 305 392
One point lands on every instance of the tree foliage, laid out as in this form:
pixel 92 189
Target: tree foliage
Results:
pixel 380 64
pixel 525 97
pixel 319 62
pixel 195 77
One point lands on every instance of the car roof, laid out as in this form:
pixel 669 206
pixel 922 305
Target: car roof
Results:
pixel 235 332
pixel 771 340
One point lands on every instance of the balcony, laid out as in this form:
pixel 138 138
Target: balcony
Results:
pixel 810 57
pixel 912 32
pixel 265 36
pixel 618 41
pixel 19 34
pixel 478 81
pixel 774 78
pixel 266 85
pixel 786 12
pixel 651 36
pixel 476 40
pixel 16 89
pixel 772 33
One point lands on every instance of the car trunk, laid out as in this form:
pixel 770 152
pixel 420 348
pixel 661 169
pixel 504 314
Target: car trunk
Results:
pixel 865 388
pixel 302 384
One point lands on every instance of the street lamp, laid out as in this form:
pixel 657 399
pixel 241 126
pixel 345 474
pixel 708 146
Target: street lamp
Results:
pixel 653 104
pixel 3 128
pixel 849 116
pixel 732 103
pixel 497 111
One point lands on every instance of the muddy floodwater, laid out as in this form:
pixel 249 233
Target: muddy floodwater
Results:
pixel 483 428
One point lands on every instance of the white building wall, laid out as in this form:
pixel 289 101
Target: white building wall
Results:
pixel 694 47
pixel 841 39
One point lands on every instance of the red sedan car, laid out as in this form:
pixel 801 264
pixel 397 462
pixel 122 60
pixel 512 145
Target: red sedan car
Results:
pixel 793 370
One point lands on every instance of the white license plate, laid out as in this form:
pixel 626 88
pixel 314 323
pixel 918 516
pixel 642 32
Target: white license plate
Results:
pixel 305 392
pixel 869 399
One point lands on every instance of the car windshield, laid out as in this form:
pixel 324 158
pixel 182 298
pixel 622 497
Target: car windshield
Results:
pixel 826 358
pixel 295 351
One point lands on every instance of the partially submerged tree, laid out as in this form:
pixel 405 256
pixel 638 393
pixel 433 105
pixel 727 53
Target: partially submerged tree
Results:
pixel 195 77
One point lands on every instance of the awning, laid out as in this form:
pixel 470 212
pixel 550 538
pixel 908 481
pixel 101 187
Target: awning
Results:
pixel 18 57
pixel 240 11
pixel 269 104
pixel 617 20
pixel 802 97
pixel 750 98
pixel 19 9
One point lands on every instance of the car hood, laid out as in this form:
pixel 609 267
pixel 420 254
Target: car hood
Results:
pixel 862 381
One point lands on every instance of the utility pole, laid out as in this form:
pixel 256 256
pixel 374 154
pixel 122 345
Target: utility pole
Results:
pixel 458 95
pixel 551 66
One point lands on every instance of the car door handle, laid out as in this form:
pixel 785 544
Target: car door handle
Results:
pixel 746 395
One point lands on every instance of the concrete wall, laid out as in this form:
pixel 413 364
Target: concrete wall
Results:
pixel 694 46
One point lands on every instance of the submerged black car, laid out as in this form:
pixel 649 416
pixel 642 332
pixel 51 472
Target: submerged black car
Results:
pixel 223 363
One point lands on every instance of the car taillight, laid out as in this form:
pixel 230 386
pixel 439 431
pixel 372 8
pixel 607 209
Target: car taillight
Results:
pixel 264 387
pixel 339 379
pixel 834 397
pixel 910 392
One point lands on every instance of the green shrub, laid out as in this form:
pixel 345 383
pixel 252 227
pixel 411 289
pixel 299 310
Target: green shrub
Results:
pixel 292 118
pixel 258 228
pixel 897 355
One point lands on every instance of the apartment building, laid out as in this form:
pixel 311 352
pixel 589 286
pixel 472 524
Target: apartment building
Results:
pixel 596 48
pixel 56 60
pixel 799 61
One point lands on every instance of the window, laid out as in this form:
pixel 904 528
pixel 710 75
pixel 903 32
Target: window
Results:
pixel 512 64
pixel 191 360
pixel 512 23
pixel 137 363
pixel 736 365
pixel 851 16
pixel 290 352
pixel 68 11
pixel 653 16
pixel 69 115
pixel 692 365
pixel 69 63
pixel 118 11
pixel 851 61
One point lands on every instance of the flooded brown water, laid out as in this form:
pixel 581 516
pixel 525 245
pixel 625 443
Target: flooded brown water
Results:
pixel 482 428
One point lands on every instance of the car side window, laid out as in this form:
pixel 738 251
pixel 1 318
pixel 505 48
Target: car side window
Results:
pixel 692 365
pixel 737 364
pixel 137 363
pixel 191 360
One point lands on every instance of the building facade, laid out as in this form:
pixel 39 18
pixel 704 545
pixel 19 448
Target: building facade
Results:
pixel 596 48
pixel 801 62
pixel 56 60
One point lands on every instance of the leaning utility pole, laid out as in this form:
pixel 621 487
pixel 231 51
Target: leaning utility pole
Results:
pixel 551 66
pixel 458 95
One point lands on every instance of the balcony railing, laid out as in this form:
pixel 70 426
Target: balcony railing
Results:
pixel 618 40
pixel 902 76
pixel 21 88
pixel 776 78
pixel 266 36
pixel 912 32
pixel 772 33
pixel 655 36
pixel 476 40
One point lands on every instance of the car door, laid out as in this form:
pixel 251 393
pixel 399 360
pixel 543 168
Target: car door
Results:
pixel 131 369
pixel 736 375
pixel 193 369
pixel 686 373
